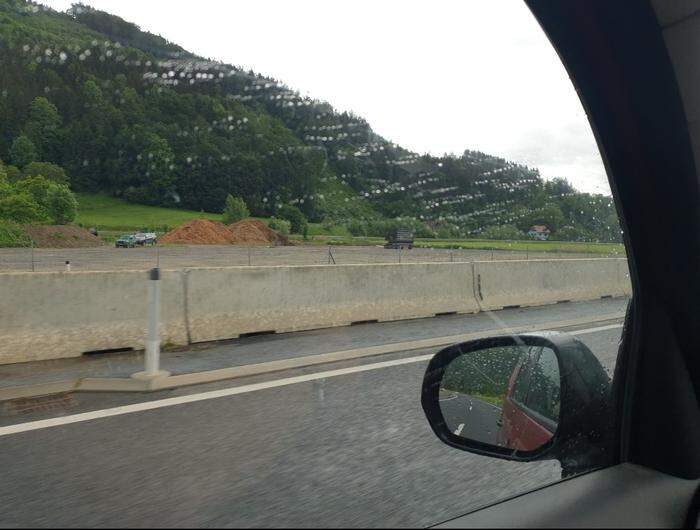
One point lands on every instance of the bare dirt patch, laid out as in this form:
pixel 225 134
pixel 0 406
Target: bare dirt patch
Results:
pixel 199 232
pixel 249 232
pixel 61 236
pixel 257 233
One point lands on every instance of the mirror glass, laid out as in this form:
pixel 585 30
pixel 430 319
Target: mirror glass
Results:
pixel 506 396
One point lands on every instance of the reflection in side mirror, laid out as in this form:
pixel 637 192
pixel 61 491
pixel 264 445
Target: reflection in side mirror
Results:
pixel 523 397
pixel 504 396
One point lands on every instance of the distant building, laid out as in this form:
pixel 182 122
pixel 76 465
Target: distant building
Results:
pixel 540 232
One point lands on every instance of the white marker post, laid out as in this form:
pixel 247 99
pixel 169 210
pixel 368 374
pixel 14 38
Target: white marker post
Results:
pixel 152 355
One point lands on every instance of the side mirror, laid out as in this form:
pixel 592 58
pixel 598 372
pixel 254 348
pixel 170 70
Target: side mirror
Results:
pixel 523 397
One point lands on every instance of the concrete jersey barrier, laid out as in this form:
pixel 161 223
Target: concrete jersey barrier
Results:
pixel 500 284
pixel 52 315
pixel 227 302
pixel 57 315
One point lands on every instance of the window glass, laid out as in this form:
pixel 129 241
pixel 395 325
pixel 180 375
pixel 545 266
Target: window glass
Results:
pixel 233 233
pixel 522 383
pixel 543 394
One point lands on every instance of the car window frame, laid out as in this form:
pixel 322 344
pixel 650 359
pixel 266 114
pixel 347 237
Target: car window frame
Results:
pixel 609 49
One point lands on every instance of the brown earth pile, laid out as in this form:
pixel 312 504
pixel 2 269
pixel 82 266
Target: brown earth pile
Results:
pixel 199 232
pixel 61 236
pixel 248 232
pixel 257 233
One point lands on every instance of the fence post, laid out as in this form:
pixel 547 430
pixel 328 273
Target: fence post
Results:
pixel 33 270
pixel 152 354
pixel 249 258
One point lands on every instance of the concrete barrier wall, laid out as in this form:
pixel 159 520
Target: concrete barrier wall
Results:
pixel 623 277
pixel 501 284
pixel 55 315
pixel 227 302
pixel 58 315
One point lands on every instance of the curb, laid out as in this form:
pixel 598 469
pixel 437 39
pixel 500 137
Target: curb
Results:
pixel 129 384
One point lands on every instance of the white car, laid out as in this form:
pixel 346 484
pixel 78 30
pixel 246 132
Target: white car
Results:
pixel 146 238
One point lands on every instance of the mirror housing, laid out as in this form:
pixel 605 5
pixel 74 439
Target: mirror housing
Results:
pixel 584 430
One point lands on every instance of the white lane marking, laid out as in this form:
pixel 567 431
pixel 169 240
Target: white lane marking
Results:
pixel 595 330
pixel 192 398
pixel 214 394
pixel 459 429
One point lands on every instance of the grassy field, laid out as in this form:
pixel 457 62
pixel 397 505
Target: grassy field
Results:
pixel 602 249
pixel 113 216
pixel 109 213
pixel 608 249
pixel 493 400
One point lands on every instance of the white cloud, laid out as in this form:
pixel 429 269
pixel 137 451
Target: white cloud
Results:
pixel 439 76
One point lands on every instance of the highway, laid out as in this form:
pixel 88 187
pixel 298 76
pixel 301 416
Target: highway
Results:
pixel 338 445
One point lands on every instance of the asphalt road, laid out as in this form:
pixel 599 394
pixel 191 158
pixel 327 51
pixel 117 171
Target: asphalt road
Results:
pixel 471 418
pixel 177 257
pixel 344 449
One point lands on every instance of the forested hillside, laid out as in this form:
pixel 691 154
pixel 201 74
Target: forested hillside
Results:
pixel 129 114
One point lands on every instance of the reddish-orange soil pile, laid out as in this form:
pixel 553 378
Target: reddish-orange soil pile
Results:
pixel 199 232
pixel 254 232
pixel 204 232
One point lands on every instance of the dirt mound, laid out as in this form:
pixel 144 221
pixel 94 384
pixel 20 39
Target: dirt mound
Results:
pixel 256 233
pixel 61 236
pixel 199 232
pixel 203 232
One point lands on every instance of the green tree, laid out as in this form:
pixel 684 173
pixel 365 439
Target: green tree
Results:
pixel 61 204
pixel 234 210
pixel 12 235
pixel 153 168
pixel 43 128
pixel 22 152
pixel 21 208
pixel 47 170
pixel 549 215
pixel 295 217
pixel 56 202
pixel 280 225
pixel 448 231
pixel 571 233
pixel 6 188
pixel 559 187
pixel 13 173
pixel 38 187
pixel 508 232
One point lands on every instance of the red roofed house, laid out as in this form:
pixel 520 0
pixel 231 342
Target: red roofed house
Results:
pixel 540 232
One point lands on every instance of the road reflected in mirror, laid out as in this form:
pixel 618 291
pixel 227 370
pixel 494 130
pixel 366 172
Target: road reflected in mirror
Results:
pixel 507 396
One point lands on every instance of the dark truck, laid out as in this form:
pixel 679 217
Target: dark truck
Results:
pixel 126 241
pixel 401 238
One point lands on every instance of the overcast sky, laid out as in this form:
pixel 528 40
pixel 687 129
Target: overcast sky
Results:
pixel 438 77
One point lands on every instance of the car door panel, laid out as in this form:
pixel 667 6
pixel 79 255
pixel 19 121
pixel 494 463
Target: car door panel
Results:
pixel 623 496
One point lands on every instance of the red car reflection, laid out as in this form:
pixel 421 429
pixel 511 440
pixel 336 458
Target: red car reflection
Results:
pixel 526 424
